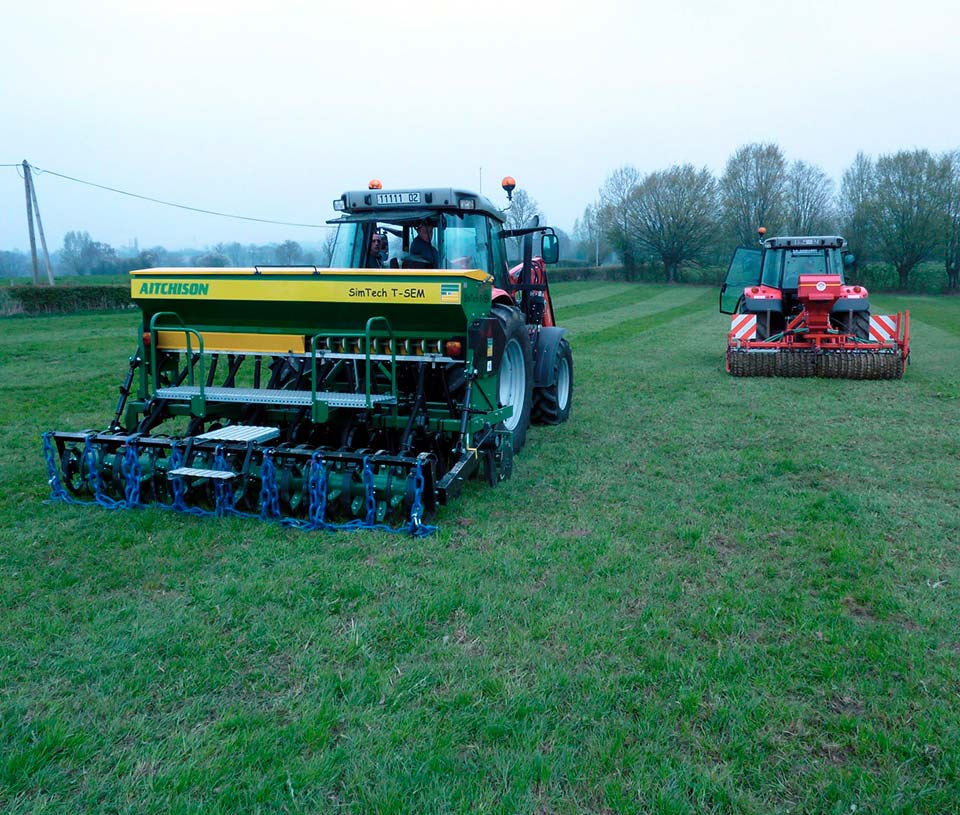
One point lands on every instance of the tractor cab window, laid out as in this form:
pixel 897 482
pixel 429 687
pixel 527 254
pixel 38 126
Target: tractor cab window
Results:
pixel 802 261
pixel 772 261
pixel 347 247
pixel 465 242
pixel 836 262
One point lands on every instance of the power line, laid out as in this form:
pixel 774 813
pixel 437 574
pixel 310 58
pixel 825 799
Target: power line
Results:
pixel 38 171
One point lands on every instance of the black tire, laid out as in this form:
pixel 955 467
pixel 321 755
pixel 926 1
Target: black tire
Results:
pixel 551 405
pixel 861 325
pixel 856 323
pixel 768 322
pixel 515 387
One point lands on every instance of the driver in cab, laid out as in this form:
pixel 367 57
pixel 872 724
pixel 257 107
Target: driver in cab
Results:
pixel 422 250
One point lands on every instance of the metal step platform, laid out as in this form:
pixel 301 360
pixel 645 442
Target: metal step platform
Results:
pixel 241 432
pixel 265 396
pixel 196 472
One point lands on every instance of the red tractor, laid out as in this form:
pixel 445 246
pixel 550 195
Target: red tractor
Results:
pixel 793 315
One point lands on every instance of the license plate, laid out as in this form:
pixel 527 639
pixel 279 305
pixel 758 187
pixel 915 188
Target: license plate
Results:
pixel 398 197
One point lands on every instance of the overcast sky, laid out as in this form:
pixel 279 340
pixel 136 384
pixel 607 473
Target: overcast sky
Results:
pixel 272 109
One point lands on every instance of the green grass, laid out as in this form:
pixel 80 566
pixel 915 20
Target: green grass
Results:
pixel 702 594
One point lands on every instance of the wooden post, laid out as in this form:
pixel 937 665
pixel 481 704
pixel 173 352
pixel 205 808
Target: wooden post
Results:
pixel 33 239
pixel 36 211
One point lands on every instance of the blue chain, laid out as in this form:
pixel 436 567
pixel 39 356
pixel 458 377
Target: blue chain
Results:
pixel 417 527
pixel 57 491
pixel 317 485
pixel 179 488
pixel 371 497
pixel 269 494
pixel 223 487
pixel 131 475
pixel 93 477
pixel 88 462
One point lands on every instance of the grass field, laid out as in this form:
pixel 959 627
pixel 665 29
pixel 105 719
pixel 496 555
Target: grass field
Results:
pixel 701 595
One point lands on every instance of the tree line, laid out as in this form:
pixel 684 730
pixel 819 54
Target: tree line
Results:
pixel 80 255
pixel 900 209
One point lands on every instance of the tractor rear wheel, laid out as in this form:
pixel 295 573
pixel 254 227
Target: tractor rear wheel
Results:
pixel 551 405
pixel 856 323
pixel 861 324
pixel 515 377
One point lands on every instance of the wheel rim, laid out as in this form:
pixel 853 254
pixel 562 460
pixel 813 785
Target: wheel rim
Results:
pixel 563 384
pixel 73 477
pixel 513 381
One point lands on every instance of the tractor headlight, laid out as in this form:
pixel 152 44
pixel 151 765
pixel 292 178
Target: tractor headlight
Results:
pixel 339 205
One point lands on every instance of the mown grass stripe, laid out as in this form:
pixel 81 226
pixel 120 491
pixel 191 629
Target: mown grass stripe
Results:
pixel 608 302
pixel 632 327
pixel 611 316
pixel 939 312
pixel 566 297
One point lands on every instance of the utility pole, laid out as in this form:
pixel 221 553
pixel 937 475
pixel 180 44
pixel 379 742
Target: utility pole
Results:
pixel 43 239
pixel 34 208
pixel 33 239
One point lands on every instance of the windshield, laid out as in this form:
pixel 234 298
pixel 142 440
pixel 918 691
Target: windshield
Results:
pixel 458 241
pixel 466 243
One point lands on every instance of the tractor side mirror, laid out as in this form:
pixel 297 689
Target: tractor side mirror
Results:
pixel 550 248
pixel 849 258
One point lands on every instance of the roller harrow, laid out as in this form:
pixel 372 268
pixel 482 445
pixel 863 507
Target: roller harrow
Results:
pixel 833 364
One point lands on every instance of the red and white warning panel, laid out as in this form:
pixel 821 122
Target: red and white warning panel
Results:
pixel 884 327
pixel 743 327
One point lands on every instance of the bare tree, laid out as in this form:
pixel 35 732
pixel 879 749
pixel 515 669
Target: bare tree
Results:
pixel 853 207
pixel 83 255
pixel 907 208
pixel 233 250
pixel 326 249
pixel 951 252
pixel 614 216
pixel 288 253
pixel 672 215
pixel 521 210
pixel 808 196
pixel 588 234
pixel 752 191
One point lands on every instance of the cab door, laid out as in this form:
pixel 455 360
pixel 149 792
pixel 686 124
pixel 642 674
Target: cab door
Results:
pixel 744 270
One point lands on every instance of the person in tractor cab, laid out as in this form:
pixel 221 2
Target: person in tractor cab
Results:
pixel 376 256
pixel 423 254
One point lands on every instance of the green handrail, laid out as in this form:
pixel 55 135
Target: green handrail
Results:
pixel 393 359
pixel 366 335
pixel 187 331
